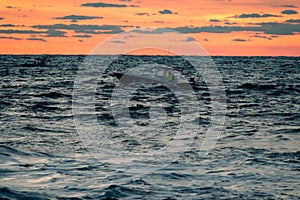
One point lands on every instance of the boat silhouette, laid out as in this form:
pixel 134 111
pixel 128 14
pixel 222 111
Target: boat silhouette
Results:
pixel 39 62
pixel 164 76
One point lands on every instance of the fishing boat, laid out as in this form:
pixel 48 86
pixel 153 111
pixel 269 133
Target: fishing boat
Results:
pixel 164 76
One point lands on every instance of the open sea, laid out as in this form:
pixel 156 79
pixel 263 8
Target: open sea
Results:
pixel 42 155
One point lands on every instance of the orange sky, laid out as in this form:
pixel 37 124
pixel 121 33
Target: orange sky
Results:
pixel 222 27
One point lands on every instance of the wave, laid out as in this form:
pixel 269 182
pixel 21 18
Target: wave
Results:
pixel 9 193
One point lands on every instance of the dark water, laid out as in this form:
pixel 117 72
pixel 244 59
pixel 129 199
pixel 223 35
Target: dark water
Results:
pixel 256 157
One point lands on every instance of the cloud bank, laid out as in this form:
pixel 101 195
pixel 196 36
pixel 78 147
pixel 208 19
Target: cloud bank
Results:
pixel 106 5
pixel 289 12
pixel 75 18
pixel 255 15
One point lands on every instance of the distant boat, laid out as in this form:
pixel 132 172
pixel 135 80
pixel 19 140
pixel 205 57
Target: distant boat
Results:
pixel 164 75
pixel 39 62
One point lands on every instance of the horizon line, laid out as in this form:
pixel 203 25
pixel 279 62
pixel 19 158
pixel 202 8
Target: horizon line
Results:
pixel 8 54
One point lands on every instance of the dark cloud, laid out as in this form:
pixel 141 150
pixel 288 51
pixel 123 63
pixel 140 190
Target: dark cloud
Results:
pixel 92 32
pixel 55 33
pixel 106 5
pixel 142 13
pixel 288 6
pixel 255 15
pixel 10 38
pixel 165 12
pixel 12 7
pixel 11 31
pixel 82 36
pixel 75 18
pixel 118 42
pixel 214 20
pixel 289 12
pixel 129 36
pixel 240 40
pixel 1 18
pixel 7 25
pixel 156 31
pixel 259 36
pixel 273 28
pixel 36 39
pixel 87 29
pixel 214 29
pixel 296 21
pixel 262 37
pixel 230 23
pixel 189 39
pixel 270 15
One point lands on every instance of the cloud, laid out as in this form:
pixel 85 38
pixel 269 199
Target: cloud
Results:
pixel 259 36
pixel 288 6
pixel 7 25
pixel 289 12
pixel 36 39
pixel 230 23
pixel 188 39
pixel 165 12
pixel 296 21
pixel 155 31
pixel 142 13
pixel 125 0
pixel 11 31
pixel 262 37
pixel 10 38
pixel 118 42
pixel 106 5
pixel 1 18
pixel 94 32
pixel 279 28
pixel 240 40
pixel 273 28
pixel 75 18
pixel 159 22
pixel 129 36
pixel 214 20
pixel 12 7
pixel 82 36
pixel 214 29
pixel 87 29
pixel 255 15
pixel 55 33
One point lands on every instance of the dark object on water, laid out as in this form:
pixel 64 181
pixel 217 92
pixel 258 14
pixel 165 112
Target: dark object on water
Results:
pixel 164 75
pixel 39 62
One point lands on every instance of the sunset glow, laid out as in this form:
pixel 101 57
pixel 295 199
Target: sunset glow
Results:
pixel 222 27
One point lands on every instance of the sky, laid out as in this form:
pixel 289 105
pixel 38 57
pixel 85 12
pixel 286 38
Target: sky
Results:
pixel 221 27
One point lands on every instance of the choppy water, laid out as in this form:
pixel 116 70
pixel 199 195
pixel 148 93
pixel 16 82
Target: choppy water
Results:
pixel 256 157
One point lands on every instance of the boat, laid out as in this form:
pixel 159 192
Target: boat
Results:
pixel 164 76
pixel 39 62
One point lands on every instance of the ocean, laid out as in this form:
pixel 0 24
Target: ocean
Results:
pixel 46 153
